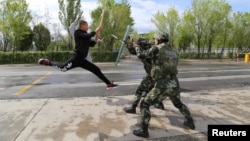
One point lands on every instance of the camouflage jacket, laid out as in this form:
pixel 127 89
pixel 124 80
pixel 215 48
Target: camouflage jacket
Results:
pixel 147 64
pixel 164 61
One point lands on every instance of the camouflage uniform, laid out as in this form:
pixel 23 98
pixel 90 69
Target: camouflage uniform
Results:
pixel 145 86
pixel 164 70
pixel 147 82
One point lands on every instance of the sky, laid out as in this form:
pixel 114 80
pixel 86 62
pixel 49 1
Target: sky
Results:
pixel 142 10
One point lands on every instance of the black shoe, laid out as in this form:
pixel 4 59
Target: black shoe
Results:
pixel 142 132
pixel 45 62
pixel 159 106
pixel 111 86
pixel 129 110
pixel 189 123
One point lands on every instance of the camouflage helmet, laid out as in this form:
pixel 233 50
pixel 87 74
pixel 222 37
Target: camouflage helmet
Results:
pixel 162 36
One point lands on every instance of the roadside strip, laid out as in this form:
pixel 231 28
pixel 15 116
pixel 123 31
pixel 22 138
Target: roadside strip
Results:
pixel 24 89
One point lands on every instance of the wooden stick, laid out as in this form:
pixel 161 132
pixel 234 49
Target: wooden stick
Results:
pixel 100 25
pixel 102 16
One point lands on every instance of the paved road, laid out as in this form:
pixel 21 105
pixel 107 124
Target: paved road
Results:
pixel 33 81
pixel 39 103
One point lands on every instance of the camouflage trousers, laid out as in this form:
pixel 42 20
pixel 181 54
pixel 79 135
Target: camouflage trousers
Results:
pixel 163 88
pixel 145 86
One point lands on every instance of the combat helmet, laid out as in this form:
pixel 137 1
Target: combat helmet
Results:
pixel 162 36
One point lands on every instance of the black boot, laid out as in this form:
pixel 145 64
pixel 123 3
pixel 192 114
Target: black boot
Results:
pixel 143 132
pixel 131 110
pixel 159 106
pixel 189 123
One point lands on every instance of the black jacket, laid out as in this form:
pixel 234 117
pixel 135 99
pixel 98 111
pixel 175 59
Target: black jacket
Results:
pixel 83 42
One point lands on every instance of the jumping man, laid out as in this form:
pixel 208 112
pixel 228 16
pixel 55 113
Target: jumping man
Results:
pixel 83 40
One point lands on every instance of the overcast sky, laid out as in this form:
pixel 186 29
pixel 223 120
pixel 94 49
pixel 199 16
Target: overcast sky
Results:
pixel 142 10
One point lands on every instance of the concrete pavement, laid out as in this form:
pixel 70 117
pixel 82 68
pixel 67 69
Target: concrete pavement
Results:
pixel 102 118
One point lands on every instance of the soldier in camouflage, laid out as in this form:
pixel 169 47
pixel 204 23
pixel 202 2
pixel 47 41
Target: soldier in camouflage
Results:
pixel 164 70
pixel 147 82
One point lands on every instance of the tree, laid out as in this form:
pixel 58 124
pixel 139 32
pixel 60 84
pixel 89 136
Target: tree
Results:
pixel 167 23
pixel 223 36
pixel 184 37
pixel 69 12
pixel 117 17
pixel 42 37
pixel 216 20
pixel 13 20
pixel 25 43
pixel 246 24
pixel 207 18
pixel 159 19
pixel 172 19
pixel 197 18
pixel 241 30
pixel 4 28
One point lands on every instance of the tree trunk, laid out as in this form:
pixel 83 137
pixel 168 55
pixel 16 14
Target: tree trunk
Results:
pixel 70 45
pixel 209 48
pixel 5 43
pixel 203 49
pixel 199 48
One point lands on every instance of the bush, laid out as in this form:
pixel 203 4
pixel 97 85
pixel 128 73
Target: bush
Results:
pixel 59 56
pixel 191 55
pixel 231 55
pixel 5 58
pixel 104 56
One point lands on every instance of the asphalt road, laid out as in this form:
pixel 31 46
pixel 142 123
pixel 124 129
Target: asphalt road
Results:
pixel 31 81
pixel 42 103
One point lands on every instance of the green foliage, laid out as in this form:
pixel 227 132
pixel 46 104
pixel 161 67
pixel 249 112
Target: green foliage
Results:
pixel 159 19
pixel 207 18
pixel 57 56
pixel 207 24
pixel 6 58
pixel 240 32
pixel 167 23
pixel 14 19
pixel 104 56
pixel 195 55
pixel 53 47
pixel 173 19
pixel 191 55
pixel 58 46
pixel 149 36
pixel 25 43
pixel 69 12
pixel 42 37
pixel 32 57
pixel 117 17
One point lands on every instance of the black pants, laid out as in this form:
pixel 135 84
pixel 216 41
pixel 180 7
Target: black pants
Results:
pixel 78 61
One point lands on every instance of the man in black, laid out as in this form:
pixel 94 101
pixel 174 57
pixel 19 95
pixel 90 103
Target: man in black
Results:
pixel 83 40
